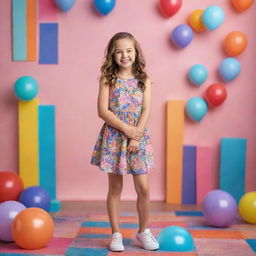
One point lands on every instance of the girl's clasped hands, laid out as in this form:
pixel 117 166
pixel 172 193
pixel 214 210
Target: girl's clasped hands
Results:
pixel 134 134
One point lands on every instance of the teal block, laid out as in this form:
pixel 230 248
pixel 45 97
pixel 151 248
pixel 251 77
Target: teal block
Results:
pixel 232 166
pixel 55 206
pixel 19 30
pixel 47 161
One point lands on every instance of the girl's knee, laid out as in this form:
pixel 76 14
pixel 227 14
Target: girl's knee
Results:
pixel 116 189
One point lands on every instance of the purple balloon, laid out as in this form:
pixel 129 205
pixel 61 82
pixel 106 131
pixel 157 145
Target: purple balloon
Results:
pixel 182 35
pixel 219 208
pixel 8 211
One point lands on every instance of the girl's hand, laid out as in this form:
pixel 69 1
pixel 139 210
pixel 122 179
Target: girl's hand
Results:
pixel 133 146
pixel 132 132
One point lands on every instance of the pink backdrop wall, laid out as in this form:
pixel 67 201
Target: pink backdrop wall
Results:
pixel 72 86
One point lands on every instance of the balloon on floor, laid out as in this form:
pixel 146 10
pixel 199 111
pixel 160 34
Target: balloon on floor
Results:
pixel 247 207
pixel 32 228
pixel 175 239
pixel 219 208
pixel 198 74
pixel 35 196
pixel 11 186
pixel 229 69
pixel 8 211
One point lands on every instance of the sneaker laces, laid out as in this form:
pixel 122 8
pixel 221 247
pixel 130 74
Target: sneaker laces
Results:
pixel 149 236
pixel 116 238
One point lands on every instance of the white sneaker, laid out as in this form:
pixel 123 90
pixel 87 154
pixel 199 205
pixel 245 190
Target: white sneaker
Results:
pixel 147 240
pixel 116 244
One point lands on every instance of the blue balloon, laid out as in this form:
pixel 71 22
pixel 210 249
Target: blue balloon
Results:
pixel 26 88
pixel 182 35
pixel 104 6
pixel 213 17
pixel 65 5
pixel 196 108
pixel 198 74
pixel 229 69
pixel 175 239
pixel 35 196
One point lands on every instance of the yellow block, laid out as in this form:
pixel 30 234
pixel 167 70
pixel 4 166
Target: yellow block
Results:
pixel 28 142
pixel 174 152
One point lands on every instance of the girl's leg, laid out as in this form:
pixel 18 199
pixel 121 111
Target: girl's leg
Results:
pixel 141 183
pixel 115 186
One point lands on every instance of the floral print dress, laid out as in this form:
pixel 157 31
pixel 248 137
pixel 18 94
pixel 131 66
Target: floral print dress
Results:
pixel 110 151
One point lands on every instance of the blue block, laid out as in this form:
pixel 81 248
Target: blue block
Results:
pixel 99 224
pixel 252 243
pixel 72 251
pixel 47 159
pixel 55 206
pixel 48 52
pixel 189 175
pixel 19 30
pixel 232 166
pixel 188 213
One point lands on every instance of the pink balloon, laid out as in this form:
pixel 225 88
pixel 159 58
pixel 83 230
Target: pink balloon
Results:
pixel 169 7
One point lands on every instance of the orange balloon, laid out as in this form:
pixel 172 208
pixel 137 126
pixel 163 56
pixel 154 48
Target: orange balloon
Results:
pixel 32 228
pixel 235 43
pixel 195 20
pixel 242 5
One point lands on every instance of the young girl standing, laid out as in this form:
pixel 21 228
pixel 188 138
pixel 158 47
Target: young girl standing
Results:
pixel 123 146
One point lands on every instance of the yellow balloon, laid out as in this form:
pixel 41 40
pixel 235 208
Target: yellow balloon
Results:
pixel 247 207
pixel 195 20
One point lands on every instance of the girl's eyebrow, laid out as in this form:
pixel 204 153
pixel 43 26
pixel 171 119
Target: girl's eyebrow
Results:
pixel 117 49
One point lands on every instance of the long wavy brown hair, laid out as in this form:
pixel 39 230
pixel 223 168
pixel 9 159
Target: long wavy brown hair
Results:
pixel 109 68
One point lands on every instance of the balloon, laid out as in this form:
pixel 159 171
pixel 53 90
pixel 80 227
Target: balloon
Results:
pixel 65 5
pixel 32 228
pixel 175 239
pixel 242 5
pixel 169 7
pixel 229 69
pixel 219 208
pixel 213 17
pixel 8 211
pixel 247 207
pixel 195 20
pixel 26 88
pixel 215 95
pixel 104 6
pixel 11 186
pixel 198 74
pixel 182 35
pixel 235 43
pixel 196 108
pixel 35 196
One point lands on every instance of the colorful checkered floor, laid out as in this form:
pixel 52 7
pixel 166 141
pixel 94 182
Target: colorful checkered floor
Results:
pixel 89 236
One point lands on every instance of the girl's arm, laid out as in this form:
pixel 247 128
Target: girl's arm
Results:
pixel 110 118
pixel 146 106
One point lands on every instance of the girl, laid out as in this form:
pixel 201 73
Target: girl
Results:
pixel 123 146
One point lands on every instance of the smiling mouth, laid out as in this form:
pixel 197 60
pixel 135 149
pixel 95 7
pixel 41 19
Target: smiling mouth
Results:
pixel 124 61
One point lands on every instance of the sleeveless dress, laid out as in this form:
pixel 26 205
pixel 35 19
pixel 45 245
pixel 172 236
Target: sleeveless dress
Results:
pixel 110 151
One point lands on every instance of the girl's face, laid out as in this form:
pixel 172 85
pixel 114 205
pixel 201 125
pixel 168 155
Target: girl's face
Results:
pixel 125 53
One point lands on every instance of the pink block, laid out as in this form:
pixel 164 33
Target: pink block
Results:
pixel 47 10
pixel 206 172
